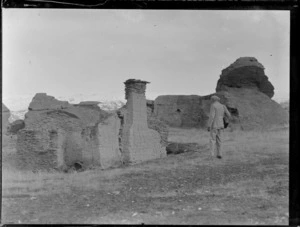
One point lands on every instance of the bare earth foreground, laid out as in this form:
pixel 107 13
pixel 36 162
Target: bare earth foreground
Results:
pixel 248 186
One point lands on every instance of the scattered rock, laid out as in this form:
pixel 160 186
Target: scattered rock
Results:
pixel 177 148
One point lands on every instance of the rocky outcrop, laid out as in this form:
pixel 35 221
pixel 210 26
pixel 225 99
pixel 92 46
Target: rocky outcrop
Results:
pixel 252 109
pixel 242 87
pixel 245 72
pixel 5 114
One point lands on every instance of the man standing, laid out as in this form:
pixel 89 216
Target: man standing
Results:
pixel 216 125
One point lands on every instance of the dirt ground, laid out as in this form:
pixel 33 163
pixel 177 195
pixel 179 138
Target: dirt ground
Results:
pixel 248 186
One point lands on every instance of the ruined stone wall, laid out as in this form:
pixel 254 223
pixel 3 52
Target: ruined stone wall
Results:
pixel 57 134
pixel 108 137
pixel 183 111
pixel 34 152
pixel 54 138
pixel 158 125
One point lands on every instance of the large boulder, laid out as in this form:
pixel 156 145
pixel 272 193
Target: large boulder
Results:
pixel 245 72
pixel 15 126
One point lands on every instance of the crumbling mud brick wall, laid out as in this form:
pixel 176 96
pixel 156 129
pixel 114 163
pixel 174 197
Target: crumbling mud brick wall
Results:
pixel 58 137
pixel 139 142
pixel 156 124
pixel 185 111
pixel 108 138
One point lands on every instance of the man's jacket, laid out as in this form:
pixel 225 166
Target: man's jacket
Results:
pixel 216 115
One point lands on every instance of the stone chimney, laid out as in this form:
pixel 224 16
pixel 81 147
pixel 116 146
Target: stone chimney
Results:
pixel 138 141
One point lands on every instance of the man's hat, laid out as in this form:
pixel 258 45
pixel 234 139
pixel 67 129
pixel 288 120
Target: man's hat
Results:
pixel 215 98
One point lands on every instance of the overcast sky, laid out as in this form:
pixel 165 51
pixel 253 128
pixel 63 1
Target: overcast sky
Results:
pixel 65 52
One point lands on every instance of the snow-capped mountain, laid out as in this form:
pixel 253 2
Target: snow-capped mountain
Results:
pixel 18 106
pixel 17 115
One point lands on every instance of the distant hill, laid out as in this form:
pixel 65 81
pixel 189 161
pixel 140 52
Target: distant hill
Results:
pixel 285 105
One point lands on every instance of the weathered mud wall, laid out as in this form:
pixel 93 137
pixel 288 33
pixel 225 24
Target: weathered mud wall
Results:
pixel 184 111
pixel 62 136
pixel 108 137
pixel 158 125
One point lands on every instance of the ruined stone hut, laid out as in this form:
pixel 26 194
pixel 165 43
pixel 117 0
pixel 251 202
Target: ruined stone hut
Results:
pixel 58 135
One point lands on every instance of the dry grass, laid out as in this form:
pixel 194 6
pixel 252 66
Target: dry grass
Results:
pixel 259 197
pixel 240 145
